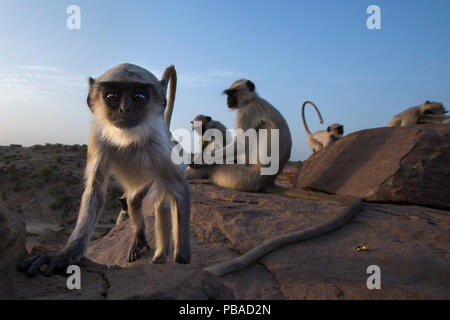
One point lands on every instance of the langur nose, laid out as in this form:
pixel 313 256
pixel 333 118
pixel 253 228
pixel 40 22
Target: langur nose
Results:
pixel 122 109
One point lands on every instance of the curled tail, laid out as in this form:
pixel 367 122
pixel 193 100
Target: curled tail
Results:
pixel 253 255
pixel 303 115
pixel 170 76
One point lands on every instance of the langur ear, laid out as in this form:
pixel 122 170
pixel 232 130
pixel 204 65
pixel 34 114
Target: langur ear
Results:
pixel 208 118
pixel 250 86
pixel 329 129
pixel 91 84
pixel 427 102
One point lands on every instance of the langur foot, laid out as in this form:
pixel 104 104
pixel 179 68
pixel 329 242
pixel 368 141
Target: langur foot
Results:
pixel 159 259
pixel 137 245
pixel 182 258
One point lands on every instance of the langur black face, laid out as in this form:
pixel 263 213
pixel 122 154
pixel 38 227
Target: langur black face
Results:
pixel 126 95
pixel 232 98
pixel 125 105
pixel 336 129
pixel 237 92
pixel 434 108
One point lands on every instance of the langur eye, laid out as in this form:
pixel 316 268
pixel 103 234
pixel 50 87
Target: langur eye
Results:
pixel 140 98
pixel 111 97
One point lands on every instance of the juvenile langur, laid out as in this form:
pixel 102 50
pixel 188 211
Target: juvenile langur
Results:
pixel 256 113
pixel 321 139
pixel 253 113
pixel 208 123
pixel 129 139
pixel 170 74
pixel 414 115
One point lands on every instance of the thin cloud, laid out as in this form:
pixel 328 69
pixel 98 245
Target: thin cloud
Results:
pixel 207 78
pixel 40 68
pixel 37 84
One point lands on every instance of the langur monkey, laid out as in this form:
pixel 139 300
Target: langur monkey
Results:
pixel 208 123
pixel 256 113
pixel 253 113
pixel 130 139
pixel 169 74
pixel 321 139
pixel 429 112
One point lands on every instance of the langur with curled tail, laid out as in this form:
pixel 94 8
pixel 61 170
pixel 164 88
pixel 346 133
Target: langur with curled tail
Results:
pixel 256 113
pixel 321 139
pixel 129 139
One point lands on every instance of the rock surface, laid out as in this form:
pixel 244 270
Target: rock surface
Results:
pixel 99 282
pixel 410 244
pixel 165 282
pixel 224 223
pixel 409 165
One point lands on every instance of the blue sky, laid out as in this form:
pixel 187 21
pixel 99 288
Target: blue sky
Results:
pixel 293 51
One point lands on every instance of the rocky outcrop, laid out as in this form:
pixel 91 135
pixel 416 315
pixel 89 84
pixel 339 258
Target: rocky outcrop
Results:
pixel 224 223
pixel 410 244
pixel 409 165
pixel 288 177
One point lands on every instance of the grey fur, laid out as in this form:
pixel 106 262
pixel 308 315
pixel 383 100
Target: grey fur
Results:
pixel 256 113
pixel 139 158
pixel 323 138
pixel 209 123
pixel 419 114
pixel 253 113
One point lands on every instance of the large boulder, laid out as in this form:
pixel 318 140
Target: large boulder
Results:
pixel 409 165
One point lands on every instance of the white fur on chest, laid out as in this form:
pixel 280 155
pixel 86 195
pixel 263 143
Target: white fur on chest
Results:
pixel 133 177
pixel 134 152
